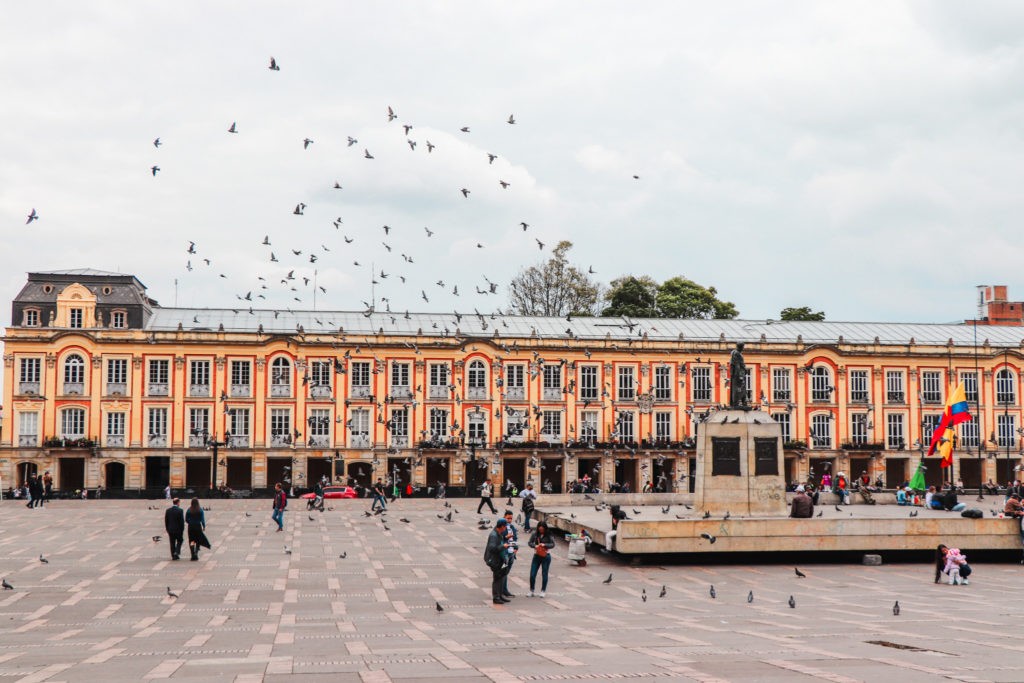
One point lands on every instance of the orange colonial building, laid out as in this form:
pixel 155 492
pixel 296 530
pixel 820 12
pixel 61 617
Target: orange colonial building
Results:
pixel 105 387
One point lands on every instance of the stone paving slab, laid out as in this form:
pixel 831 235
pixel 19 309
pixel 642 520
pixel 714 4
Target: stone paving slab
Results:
pixel 250 612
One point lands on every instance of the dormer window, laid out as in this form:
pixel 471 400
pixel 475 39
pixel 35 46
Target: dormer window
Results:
pixel 31 318
pixel 118 320
pixel 75 318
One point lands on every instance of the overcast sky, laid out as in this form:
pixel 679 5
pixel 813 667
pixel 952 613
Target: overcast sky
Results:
pixel 860 158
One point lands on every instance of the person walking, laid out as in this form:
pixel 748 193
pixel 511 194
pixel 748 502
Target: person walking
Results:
pixel 174 524
pixel 280 504
pixel 47 485
pixel 512 538
pixel 542 543
pixel 35 486
pixel 494 559
pixel 195 519
pixel 529 497
pixel 486 491
pixel 378 496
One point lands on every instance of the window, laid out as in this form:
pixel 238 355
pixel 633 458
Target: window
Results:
pixel 859 392
pixel 399 427
pixel 701 383
pixel 552 383
pixel 31 317
pixel 440 381
pixel 199 378
pixel 970 382
pixel 115 429
pixel 859 429
pixel 477 380
pixel 75 319
pixel 400 380
pixel 477 421
pixel 588 426
pixel 157 427
pixel 280 426
pixel 159 371
pixel 662 383
pixel 28 429
pixel 438 424
pixel 318 428
pixel 198 426
pixel 117 376
pixel 118 320
pixel 894 387
pixel 360 375
pixel 515 382
pixel 784 422
pixel 1006 431
pixel 588 383
pixel 894 438
pixel 627 383
pixel 625 425
pixel 821 430
pixel 928 425
pixel 663 426
pixel 30 370
pixel 552 425
pixel 320 378
pixel 281 377
pixel 782 384
pixel 821 384
pixel 74 375
pixel 72 423
pixel 241 379
pixel 1006 392
pixel 515 421
pixel 931 386
pixel 238 419
pixel 969 434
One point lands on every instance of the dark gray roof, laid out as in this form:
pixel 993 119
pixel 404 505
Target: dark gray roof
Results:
pixel 439 324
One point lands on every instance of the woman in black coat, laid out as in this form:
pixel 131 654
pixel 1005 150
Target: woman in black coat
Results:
pixel 195 520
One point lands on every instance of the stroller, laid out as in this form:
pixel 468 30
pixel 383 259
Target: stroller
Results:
pixel 578 548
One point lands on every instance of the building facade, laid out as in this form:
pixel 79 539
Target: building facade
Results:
pixel 104 387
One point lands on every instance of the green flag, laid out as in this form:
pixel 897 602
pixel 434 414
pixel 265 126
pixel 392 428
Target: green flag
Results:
pixel 917 482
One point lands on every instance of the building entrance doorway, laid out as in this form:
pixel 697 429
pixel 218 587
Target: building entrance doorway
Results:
pixel 197 473
pixel 72 474
pixel 239 474
pixel 113 476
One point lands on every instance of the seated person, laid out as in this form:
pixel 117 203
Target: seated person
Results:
pixel 802 506
pixel 902 498
pixel 990 487
pixel 949 501
pixel 933 499
pixel 1013 507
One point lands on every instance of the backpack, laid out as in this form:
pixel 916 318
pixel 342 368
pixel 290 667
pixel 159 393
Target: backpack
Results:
pixel 972 513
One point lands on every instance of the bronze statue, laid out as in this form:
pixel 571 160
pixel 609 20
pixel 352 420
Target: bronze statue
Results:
pixel 738 379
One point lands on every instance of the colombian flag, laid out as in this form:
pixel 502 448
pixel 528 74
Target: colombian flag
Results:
pixel 956 412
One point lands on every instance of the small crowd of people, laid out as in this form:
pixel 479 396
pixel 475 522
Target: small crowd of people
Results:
pixel 502 550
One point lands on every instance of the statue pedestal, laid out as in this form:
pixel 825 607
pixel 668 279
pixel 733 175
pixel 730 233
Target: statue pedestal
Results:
pixel 740 466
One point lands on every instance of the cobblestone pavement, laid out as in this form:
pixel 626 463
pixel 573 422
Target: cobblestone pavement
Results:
pixel 98 610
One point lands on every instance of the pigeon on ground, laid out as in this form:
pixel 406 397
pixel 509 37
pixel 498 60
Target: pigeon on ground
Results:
pixel 287 550
pixel 799 574
pixel 43 559
pixel 913 513
pixel 608 580
pixel 712 592
pixel 643 595
pixel 171 593
pixel 750 597
pixel 343 555
pixel 438 607
pixel 7 586
pixel 707 514
pixel 663 592
pixel 156 539
pixel 896 609
pixel 792 602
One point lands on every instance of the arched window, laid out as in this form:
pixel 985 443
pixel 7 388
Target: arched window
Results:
pixel 72 423
pixel 281 377
pixel 74 374
pixel 821 384
pixel 477 387
pixel 1006 387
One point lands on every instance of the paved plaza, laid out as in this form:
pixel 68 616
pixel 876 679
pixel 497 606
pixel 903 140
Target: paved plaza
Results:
pixel 248 611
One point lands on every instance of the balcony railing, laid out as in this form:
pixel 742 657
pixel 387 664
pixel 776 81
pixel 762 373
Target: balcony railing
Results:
pixel 238 441
pixel 782 396
pixel 895 397
pixel 476 392
pixel 280 390
pixel 931 398
pixel 821 396
pixel 1005 442
pixel 320 391
pixel 196 441
pixel 1005 399
pixel 74 388
pixel 240 391
pixel 400 441
pixel 280 439
pixel 627 395
pixel 361 391
pixel 588 394
pixel 117 389
pixel 158 389
pixel 438 392
pixel 199 390
pixel 401 392
pixel 322 441
pixel 858 397
pixel 359 441
pixel 157 441
pixel 26 440
pixel 115 440
pixel 519 394
pixel 662 395
pixel 551 438
pixel 551 393
pixel 28 388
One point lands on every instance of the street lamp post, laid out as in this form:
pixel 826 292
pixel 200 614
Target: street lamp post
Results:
pixel 473 442
pixel 213 444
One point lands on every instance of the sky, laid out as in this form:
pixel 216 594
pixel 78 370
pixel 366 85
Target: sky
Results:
pixel 863 159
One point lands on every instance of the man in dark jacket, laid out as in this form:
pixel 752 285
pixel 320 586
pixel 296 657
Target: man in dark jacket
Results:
pixel 174 523
pixel 494 559
pixel 803 506
pixel 35 489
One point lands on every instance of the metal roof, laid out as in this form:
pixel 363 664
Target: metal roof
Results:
pixel 91 272
pixel 484 325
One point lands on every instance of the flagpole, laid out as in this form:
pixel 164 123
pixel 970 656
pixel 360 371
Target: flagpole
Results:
pixel 977 413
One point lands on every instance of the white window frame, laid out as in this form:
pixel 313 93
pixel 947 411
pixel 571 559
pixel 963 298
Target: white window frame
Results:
pixel 590 426
pixel 663 383
pixel 895 431
pixel 701 384
pixel 785 422
pixel 860 386
pixel 821 431
pixel 625 385
pixel 663 426
pixel 626 426
pixel 589 389
pixel 859 434
pixel 895 387
pixel 440 419
pixel 1006 387
pixel 280 426
pixel 970 382
pixel 551 427
pixel 931 386
pixel 782 385
pixel 821 383
pixel 1006 430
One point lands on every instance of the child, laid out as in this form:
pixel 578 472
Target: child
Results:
pixel 955 561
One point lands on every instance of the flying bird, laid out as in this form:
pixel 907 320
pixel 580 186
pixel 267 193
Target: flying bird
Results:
pixel 32 217
pixel 306 142
pixel 157 143
pixel 464 129
pixel 391 114
pixel 491 158
pixel 711 539
pixel 154 170
pixel 465 193
pixel 273 65
pixel 511 119
pixel 233 128
pixel 366 154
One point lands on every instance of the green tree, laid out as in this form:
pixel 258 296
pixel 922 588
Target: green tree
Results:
pixel 632 296
pixel 554 288
pixel 679 297
pixel 802 313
